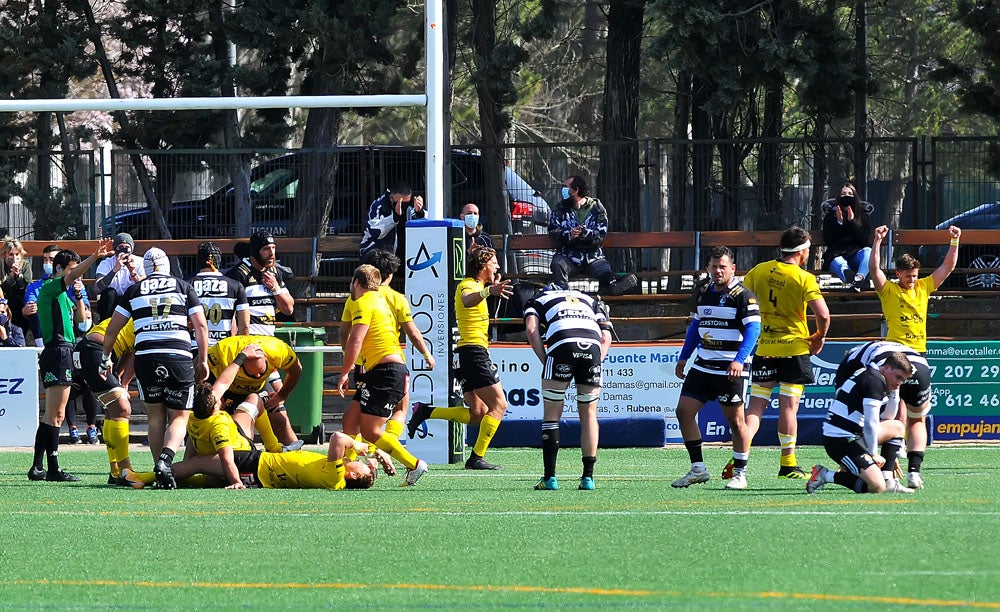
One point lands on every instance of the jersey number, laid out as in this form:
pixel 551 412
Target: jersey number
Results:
pixel 161 307
pixel 213 313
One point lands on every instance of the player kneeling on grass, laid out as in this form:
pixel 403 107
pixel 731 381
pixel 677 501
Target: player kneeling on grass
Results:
pixel 851 431
pixel 724 330
pixel 577 335
pixel 222 453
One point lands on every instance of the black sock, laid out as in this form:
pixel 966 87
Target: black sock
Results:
pixel 915 458
pixel 52 448
pixel 550 447
pixel 850 481
pixel 41 435
pixel 167 455
pixel 739 463
pixel 890 449
pixel 588 466
pixel 694 451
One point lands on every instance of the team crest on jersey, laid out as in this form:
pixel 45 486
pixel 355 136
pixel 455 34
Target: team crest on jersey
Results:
pixel 50 377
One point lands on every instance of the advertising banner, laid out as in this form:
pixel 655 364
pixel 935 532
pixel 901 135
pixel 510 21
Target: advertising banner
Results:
pixel 19 397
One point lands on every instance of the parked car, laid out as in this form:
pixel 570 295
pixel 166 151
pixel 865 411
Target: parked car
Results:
pixel 362 174
pixel 979 257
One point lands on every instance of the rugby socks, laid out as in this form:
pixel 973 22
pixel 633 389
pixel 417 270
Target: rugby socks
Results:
pixel 850 481
pixel 116 440
pixel 694 452
pixel 914 459
pixel 52 448
pixel 890 449
pixel 390 444
pixel 394 427
pixel 41 435
pixel 456 414
pixel 550 447
pixel 487 428
pixel 166 455
pixel 740 461
pixel 263 426
pixel 787 444
pixel 588 466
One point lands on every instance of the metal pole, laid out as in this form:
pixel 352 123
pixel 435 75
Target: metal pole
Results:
pixel 434 34
pixel 159 104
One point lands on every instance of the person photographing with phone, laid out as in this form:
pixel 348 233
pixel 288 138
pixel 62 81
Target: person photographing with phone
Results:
pixel 115 274
pixel 385 214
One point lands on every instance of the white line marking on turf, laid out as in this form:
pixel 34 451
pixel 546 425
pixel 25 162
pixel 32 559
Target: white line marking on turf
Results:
pixel 543 513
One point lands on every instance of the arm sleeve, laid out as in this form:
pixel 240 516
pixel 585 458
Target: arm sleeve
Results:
pixel 691 340
pixel 750 335
pixel 872 409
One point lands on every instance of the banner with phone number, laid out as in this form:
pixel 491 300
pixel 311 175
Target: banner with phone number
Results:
pixel 640 394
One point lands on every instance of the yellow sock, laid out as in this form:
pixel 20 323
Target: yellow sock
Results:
pixel 116 441
pixel 394 427
pixel 263 426
pixel 196 481
pixel 787 442
pixel 487 428
pixel 336 472
pixel 390 444
pixel 455 414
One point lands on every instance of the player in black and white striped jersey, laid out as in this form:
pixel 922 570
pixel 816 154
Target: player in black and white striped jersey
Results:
pixel 264 285
pixel 570 334
pixel 162 307
pixel 853 427
pixel 724 330
pixel 224 299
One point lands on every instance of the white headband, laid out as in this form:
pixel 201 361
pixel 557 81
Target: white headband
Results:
pixel 802 247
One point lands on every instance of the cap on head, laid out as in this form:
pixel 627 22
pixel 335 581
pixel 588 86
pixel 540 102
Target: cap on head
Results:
pixel 155 260
pixel 259 240
pixel 124 238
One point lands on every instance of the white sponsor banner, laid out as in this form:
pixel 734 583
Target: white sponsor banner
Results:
pixel 638 382
pixel 19 396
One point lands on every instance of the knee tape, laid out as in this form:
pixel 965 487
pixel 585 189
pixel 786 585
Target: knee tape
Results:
pixel 760 391
pixel 111 397
pixel 791 389
pixel 249 408
pixel 586 398
pixel 553 395
pixel 920 412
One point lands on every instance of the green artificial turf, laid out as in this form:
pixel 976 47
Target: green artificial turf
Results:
pixel 476 540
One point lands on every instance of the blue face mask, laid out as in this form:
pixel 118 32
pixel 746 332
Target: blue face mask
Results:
pixel 471 220
pixel 47 268
pixel 565 193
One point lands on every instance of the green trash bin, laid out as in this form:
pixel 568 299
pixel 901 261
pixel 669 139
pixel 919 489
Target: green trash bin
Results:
pixel 305 404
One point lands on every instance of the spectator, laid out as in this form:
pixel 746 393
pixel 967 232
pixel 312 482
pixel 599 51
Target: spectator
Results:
pixel 16 277
pixel 474 234
pixel 11 335
pixel 397 205
pixel 578 225
pixel 115 274
pixel 847 234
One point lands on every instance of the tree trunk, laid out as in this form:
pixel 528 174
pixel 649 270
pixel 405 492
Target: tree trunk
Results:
pixel 618 173
pixel 491 120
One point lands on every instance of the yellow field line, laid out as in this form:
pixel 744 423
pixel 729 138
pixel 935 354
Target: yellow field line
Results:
pixel 641 593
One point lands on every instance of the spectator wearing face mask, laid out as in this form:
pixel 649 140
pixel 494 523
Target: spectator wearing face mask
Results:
pixel 10 334
pixel 474 234
pixel 16 276
pixel 847 235
pixel 115 274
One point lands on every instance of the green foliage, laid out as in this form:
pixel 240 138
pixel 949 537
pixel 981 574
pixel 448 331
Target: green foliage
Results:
pixel 56 212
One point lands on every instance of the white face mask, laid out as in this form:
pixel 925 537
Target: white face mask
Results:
pixel 471 220
pixel 47 268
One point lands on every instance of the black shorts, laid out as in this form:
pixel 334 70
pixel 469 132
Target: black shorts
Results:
pixel 87 360
pixel 165 378
pixel 475 369
pixel 246 461
pixel 706 387
pixel 848 453
pixel 576 361
pixel 792 370
pixel 385 385
pixel 56 365
pixel 916 390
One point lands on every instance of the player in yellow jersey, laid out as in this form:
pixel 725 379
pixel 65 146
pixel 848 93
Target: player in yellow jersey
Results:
pixel 905 308
pixel 374 340
pixel 481 388
pixel 221 452
pixel 784 291
pixel 244 397
pixel 387 264
pixel 109 384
